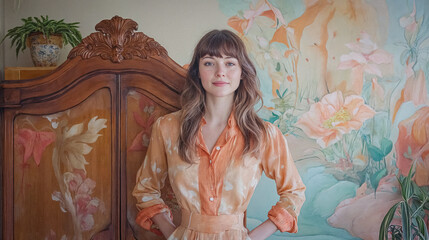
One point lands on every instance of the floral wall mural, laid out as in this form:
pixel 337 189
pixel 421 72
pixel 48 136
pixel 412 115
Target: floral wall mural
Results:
pixel 346 82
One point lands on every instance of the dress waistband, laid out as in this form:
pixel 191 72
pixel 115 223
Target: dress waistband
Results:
pixel 211 224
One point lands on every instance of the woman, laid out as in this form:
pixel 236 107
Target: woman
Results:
pixel 214 151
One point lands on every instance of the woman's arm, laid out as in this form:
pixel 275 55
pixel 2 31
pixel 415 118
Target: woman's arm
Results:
pixel 263 231
pixel 164 223
pixel 278 164
pixel 150 179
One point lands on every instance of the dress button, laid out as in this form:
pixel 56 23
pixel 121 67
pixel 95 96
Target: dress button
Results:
pixel 210 161
pixel 211 199
pixel 218 148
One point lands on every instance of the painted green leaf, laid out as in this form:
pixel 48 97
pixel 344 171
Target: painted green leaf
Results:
pixel 375 153
pixel 278 93
pixel 386 146
pixel 285 91
pixel 376 177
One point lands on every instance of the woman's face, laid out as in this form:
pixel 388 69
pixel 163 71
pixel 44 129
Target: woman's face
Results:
pixel 220 76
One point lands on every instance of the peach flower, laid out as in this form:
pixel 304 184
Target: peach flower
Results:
pixel 262 8
pixel 413 145
pixel 365 57
pixel 334 116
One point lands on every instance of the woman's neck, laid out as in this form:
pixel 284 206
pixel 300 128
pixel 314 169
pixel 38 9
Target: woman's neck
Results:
pixel 216 116
pixel 218 110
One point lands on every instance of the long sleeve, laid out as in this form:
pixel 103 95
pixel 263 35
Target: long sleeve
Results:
pixel 278 164
pixel 150 180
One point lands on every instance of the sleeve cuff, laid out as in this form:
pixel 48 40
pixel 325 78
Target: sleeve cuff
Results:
pixel 144 216
pixel 284 221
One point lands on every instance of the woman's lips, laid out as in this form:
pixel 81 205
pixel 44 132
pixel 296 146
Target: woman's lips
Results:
pixel 219 83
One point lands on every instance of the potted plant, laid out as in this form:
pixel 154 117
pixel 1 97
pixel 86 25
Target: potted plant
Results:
pixel 412 210
pixel 44 37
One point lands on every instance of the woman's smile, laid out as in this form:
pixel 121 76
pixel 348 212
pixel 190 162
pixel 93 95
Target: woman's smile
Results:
pixel 220 83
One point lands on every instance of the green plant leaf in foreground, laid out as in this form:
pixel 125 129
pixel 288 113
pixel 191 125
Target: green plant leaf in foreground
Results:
pixel 423 229
pixel 406 223
pixel 383 235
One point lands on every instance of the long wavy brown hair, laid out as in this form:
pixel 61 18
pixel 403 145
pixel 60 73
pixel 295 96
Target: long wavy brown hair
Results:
pixel 217 43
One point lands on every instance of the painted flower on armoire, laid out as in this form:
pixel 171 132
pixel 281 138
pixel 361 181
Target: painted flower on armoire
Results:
pixel 75 188
pixel 68 162
pixel 145 118
pixel 34 143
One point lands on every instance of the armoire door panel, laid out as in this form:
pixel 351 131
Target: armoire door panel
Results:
pixel 62 171
pixel 156 89
pixel 142 112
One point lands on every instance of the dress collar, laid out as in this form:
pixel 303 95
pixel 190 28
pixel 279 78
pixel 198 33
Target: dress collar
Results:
pixel 231 128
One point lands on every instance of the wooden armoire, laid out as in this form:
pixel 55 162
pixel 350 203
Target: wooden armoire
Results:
pixel 72 141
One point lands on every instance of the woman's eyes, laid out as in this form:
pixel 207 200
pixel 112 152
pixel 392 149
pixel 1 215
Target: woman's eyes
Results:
pixel 229 64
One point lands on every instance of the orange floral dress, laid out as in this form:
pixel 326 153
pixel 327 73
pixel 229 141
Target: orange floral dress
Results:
pixel 219 183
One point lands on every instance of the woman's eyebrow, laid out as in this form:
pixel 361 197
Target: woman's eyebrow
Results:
pixel 207 56
pixel 213 57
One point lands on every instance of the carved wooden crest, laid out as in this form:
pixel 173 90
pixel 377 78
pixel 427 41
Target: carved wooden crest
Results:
pixel 116 41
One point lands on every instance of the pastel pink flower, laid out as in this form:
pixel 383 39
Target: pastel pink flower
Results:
pixel 85 205
pixel 86 222
pixel 364 57
pixel 333 116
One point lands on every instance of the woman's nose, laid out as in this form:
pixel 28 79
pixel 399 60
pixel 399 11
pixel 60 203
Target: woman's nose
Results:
pixel 220 71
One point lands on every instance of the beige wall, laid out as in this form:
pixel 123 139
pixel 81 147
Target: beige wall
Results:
pixel 1 36
pixel 175 24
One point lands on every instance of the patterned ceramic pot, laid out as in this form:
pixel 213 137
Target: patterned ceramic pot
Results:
pixel 44 52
